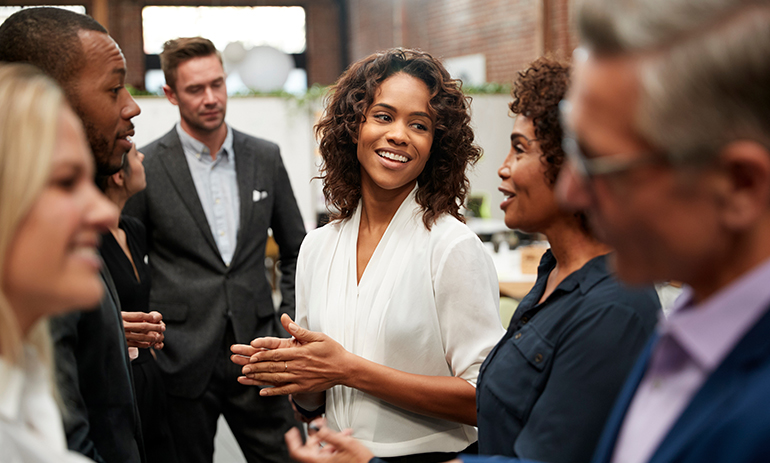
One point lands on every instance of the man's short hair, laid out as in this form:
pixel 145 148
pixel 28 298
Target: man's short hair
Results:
pixel 704 68
pixel 47 38
pixel 177 51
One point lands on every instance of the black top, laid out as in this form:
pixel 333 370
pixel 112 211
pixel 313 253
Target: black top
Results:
pixel 546 389
pixel 134 295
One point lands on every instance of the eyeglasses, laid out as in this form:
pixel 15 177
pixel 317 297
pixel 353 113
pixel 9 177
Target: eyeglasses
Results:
pixel 590 168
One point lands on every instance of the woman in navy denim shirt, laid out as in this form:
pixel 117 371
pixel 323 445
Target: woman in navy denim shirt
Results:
pixel 547 388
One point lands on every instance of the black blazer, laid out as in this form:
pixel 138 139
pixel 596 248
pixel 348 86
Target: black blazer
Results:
pixel 191 286
pixel 92 370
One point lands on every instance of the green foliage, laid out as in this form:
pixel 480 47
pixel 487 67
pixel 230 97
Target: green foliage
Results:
pixel 318 92
pixel 136 92
pixel 489 88
pixel 315 92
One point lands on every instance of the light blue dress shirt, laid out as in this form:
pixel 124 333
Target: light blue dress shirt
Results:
pixel 217 186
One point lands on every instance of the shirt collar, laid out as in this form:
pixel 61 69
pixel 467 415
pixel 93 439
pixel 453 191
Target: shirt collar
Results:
pixel 708 331
pixel 594 271
pixel 192 145
pixel 17 380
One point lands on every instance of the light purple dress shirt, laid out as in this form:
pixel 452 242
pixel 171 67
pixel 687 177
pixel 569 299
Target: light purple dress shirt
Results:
pixel 217 186
pixel 694 340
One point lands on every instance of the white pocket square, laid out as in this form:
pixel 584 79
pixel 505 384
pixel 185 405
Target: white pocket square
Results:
pixel 258 195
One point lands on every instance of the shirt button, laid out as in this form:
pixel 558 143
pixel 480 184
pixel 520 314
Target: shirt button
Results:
pixel 524 320
pixel 517 336
pixel 221 233
pixel 538 358
pixel 216 200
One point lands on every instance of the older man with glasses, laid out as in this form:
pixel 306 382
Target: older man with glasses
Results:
pixel 671 158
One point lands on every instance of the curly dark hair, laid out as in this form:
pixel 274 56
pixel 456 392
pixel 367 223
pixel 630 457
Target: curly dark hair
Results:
pixel 536 96
pixel 442 185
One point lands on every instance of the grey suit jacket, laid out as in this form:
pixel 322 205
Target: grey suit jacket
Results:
pixel 191 285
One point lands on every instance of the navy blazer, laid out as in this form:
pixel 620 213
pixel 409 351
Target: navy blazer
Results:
pixel 728 419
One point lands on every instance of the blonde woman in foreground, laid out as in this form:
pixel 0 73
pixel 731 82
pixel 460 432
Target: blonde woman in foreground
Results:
pixel 51 215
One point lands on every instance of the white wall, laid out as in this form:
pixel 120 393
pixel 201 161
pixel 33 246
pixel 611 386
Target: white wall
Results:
pixel 492 126
pixel 291 127
pixel 274 119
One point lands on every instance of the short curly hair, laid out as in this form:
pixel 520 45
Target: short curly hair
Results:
pixel 443 184
pixel 49 39
pixel 536 96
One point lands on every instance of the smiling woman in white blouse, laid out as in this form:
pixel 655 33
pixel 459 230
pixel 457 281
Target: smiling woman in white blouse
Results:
pixel 51 215
pixel 397 301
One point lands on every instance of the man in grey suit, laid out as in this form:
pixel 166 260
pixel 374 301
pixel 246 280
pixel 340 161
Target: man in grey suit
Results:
pixel 212 196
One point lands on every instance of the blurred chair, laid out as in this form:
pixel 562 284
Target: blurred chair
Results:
pixel 507 308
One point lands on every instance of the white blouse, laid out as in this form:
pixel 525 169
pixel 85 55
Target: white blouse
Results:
pixel 31 428
pixel 427 304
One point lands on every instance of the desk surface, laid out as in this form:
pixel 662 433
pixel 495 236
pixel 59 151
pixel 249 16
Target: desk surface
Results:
pixel 515 289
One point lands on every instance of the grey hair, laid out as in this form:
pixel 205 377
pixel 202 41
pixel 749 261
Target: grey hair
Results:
pixel 704 68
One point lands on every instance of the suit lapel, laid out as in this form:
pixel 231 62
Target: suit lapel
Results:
pixel 606 446
pixel 717 393
pixel 175 163
pixel 245 172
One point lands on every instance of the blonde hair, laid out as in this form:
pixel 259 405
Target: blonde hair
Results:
pixel 30 106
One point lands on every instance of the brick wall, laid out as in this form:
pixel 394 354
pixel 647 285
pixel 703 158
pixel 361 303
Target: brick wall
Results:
pixel 324 49
pixel 510 33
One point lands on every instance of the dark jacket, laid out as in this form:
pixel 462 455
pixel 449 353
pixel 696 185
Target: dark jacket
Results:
pixel 94 377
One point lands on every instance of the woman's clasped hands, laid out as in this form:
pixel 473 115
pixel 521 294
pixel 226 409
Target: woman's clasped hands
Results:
pixel 307 362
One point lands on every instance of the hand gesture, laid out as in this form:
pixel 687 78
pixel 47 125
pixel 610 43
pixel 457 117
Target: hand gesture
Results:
pixel 309 362
pixel 144 329
pixel 338 447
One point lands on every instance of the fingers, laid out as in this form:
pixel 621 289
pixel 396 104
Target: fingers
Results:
pixel 293 439
pixel 144 330
pixel 288 324
pixel 298 332
pixel 146 338
pixel 140 345
pixel 270 378
pixel 315 425
pixel 139 317
pixel 144 327
pixel 243 350
pixel 310 452
pixel 240 360
pixel 268 343
pixel 276 355
pixel 285 389
pixel 268 367
pixel 253 382
pixel 269 389
pixel 343 442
